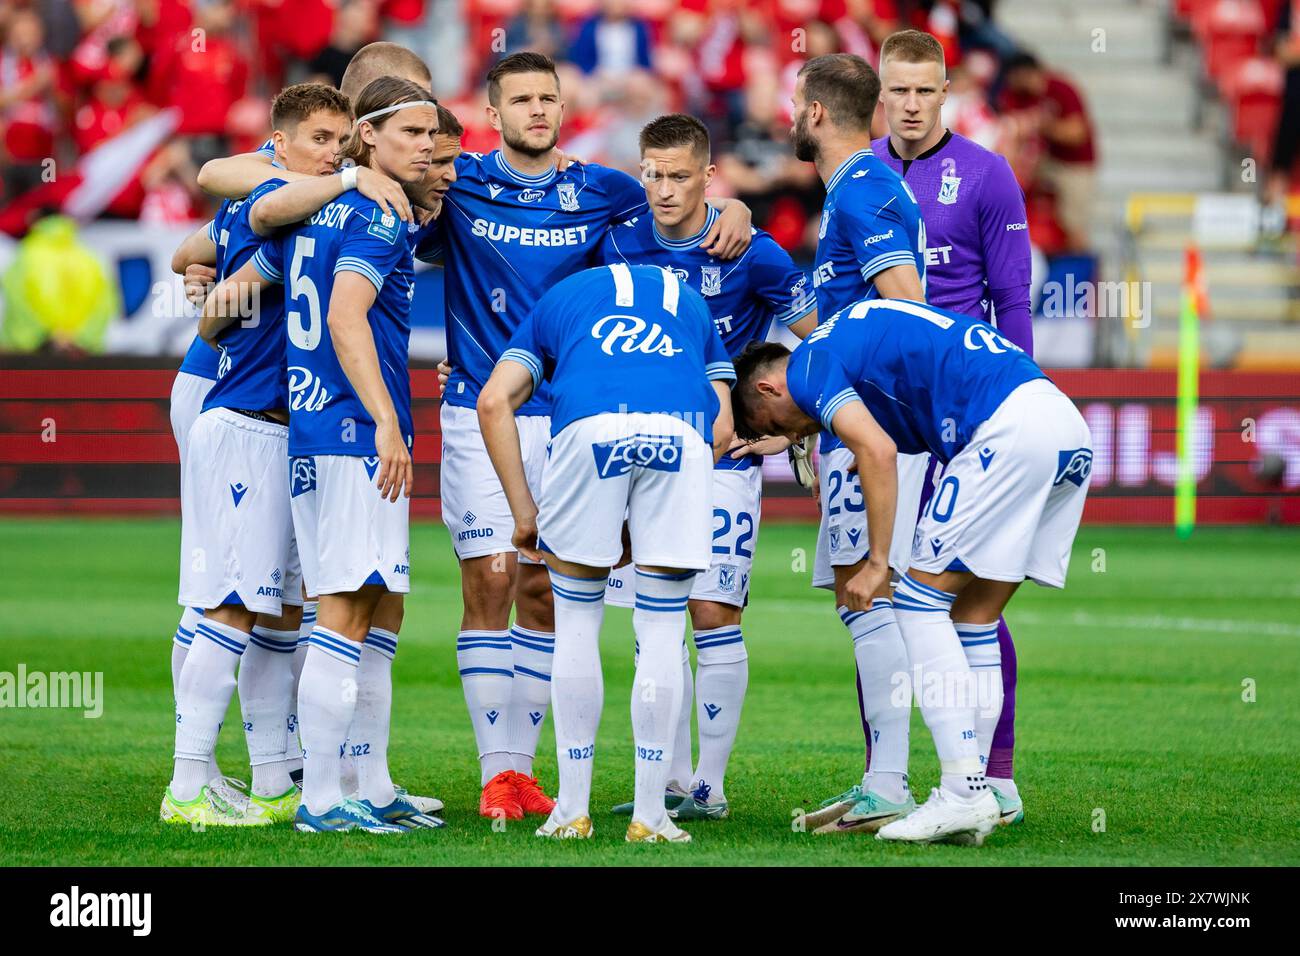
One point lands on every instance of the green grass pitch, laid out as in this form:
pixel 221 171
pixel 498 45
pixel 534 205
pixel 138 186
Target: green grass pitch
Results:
pixel 1158 714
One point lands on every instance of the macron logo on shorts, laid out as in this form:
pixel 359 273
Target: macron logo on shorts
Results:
pixel 1074 465
pixel 655 452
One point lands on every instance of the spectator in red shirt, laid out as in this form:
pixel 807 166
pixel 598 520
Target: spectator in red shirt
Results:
pixel 27 119
pixel 1050 106
pixel 202 72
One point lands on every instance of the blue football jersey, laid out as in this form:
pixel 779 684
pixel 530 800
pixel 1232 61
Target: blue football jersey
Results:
pixel 350 234
pixel 505 239
pixel 930 377
pixel 200 359
pixel 744 295
pixel 624 339
pixel 250 371
pixel 870 222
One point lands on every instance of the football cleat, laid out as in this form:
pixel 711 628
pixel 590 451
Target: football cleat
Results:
pixel 343 816
pixel 423 804
pixel 281 809
pixel 801 464
pixel 579 829
pixel 945 818
pixel 1011 810
pixel 532 798
pixel 402 813
pixel 869 814
pixel 832 809
pixel 674 795
pixel 208 809
pixel 698 807
pixel 500 798
pixel 638 832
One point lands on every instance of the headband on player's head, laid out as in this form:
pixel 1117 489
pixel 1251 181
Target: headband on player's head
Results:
pixel 395 108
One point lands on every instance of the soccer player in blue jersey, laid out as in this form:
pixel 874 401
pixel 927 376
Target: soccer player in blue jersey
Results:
pixel 978 264
pixel 238 559
pixel 348 277
pixel 871 244
pixel 745 296
pixel 234 178
pixel 891 377
pixel 512 226
pixel 640 390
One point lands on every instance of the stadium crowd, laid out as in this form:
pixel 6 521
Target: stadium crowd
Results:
pixel 77 74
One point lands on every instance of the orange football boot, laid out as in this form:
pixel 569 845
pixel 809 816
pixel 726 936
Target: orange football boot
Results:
pixel 531 795
pixel 500 798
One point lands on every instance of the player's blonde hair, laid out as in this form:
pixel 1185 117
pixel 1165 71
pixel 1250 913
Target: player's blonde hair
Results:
pixel 912 46
pixel 383 59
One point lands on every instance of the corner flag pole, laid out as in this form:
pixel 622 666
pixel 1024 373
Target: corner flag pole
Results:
pixel 1189 365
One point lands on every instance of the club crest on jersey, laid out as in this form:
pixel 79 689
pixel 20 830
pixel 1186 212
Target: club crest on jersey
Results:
pixel 223 363
pixel 710 280
pixel 826 218
pixel 727 578
pixel 834 539
pixel 306 393
pixel 948 189
pixel 653 452
pixel 568 196
pixel 302 476
pixel 531 195
pixel 385 228
pixel 625 332
pixel 1074 465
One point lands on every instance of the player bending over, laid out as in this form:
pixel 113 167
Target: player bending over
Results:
pixel 618 344
pixel 744 296
pixel 977 263
pixel 890 377
pixel 514 225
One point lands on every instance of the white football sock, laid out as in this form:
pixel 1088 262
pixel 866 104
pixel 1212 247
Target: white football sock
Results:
pixel 682 770
pixel 293 752
pixel 980 643
pixel 327 695
pixel 487 672
pixel 577 688
pixel 181 642
pixel 530 693
pixel 881 657
pixel 944 688
pixel 659 621
pixel 207 681
pixel 368 737
pixel 265 690
pixel 723 665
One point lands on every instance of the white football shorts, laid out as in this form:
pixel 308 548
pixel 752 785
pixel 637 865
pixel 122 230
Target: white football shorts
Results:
pixel 737 498
pixel 348 536
pixel 842 535
pixel 188 394
pixel 654 469
pixel 1008 505
pixel 237 542
pixel 474 505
